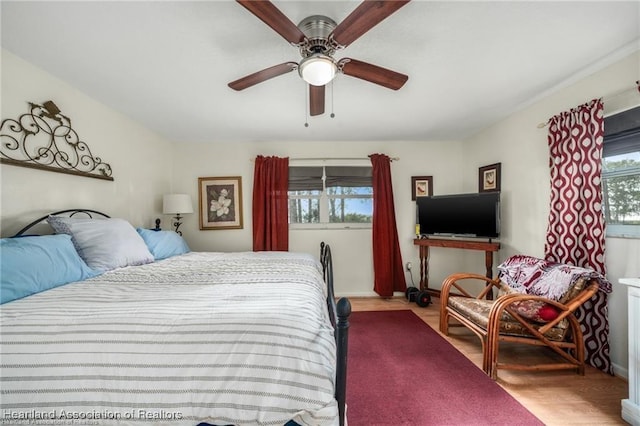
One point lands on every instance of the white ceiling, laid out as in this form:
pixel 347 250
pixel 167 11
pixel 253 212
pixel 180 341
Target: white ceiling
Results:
pixel 166 64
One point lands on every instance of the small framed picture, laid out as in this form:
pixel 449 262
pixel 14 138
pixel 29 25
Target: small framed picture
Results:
pixel 421 186
pixel 220 201
pixel 489 178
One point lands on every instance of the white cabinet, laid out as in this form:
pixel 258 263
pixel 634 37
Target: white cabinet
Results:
pixel 631 406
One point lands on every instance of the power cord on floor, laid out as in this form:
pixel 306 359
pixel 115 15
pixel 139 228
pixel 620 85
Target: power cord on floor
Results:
pixel 409 270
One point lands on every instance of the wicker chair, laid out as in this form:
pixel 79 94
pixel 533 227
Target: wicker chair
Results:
pixel 516 317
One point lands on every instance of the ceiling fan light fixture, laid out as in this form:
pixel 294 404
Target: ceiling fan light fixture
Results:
pixel 317 69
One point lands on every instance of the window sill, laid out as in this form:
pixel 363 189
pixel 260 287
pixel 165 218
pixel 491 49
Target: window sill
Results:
pixel 624 236
pixel 623 231
pixel 328 226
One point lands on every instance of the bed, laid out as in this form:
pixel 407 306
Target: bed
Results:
pixel 178 338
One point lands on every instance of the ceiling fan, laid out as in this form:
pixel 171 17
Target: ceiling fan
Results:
pixel 318 38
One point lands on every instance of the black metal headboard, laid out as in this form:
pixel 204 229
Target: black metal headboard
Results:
pixel 69 212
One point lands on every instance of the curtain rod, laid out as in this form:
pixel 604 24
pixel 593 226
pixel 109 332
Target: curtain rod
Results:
pixel 331 158
pixel 604 98
pixel 335 158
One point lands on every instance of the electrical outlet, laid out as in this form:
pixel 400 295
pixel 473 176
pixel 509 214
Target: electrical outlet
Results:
pixel 409 266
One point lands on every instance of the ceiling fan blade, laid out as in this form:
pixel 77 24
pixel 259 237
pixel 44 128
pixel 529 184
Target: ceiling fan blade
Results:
pixel 366 16
pixel 316 100
pixel 372 73
pixel 260 76
pixel 273 17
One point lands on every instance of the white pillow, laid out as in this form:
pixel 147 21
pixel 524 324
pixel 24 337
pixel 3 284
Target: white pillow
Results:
pixel 104 244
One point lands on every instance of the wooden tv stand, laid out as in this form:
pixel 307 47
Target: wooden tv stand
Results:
pixel 424 243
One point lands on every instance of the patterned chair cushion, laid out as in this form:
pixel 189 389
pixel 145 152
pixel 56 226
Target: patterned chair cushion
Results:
pixel 477 311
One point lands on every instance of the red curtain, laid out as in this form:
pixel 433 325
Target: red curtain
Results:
pixel 270 204
pixel 387 261
pixel 576 229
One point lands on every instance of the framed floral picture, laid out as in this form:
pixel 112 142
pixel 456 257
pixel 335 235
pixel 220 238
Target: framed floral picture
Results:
pixel 489 178
pixel 421 186
pixel 220 201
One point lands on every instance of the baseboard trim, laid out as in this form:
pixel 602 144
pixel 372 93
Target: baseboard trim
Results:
pixel 630 412
pixel 620 371
pixel 366 294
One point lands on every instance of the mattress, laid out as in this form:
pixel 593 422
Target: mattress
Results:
pixel 221 338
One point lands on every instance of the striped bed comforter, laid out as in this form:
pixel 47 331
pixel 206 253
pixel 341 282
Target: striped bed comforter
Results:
pixel 221 338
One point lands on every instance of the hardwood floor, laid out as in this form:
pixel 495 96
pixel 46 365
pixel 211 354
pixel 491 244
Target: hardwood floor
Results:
pixel 556 397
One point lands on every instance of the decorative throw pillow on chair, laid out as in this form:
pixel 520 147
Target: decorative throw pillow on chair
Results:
pixel 535 310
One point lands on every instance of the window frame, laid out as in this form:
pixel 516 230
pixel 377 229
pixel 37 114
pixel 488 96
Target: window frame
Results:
pixel 618 230
pixel 324 201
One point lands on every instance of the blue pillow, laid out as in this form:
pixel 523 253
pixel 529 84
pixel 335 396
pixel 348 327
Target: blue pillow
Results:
pixel 163 244
pixel 29 265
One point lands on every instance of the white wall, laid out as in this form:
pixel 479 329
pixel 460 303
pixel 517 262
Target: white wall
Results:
pixel 352 249
pixel 140 159
pixel 522 149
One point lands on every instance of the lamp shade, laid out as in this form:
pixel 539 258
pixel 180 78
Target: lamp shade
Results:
pixel 317 69
pixel 177 203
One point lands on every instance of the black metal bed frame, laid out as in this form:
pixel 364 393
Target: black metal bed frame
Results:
pixel 339 311
pixel 339 314
pixel 71 213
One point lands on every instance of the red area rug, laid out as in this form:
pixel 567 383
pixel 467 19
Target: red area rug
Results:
pixel 402 372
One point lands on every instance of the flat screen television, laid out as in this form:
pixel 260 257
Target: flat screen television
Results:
pixel 466 215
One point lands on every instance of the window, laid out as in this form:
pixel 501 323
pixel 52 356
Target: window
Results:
pixel 336 195
pixel 621 173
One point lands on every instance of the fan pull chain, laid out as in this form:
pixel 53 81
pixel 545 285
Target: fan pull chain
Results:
pixel 332 114
pixel 306 106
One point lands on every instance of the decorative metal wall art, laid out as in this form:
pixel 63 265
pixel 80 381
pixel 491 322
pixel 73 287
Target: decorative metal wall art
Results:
pixel 43 139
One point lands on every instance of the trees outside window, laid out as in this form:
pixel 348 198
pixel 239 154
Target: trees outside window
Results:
pixel 330 195
pixel 621 174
